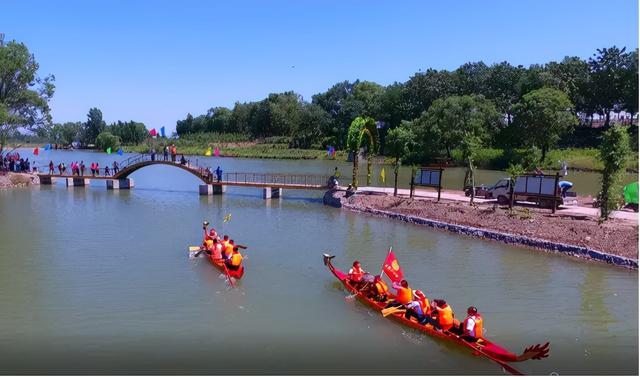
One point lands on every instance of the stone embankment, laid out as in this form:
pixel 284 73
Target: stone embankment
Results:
pixel 614 242
pixel 11 180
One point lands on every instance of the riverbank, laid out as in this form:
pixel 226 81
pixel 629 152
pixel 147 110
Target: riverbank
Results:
pixel 13 180
pixel 615 241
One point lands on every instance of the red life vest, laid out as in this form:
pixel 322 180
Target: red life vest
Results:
pixel 356 274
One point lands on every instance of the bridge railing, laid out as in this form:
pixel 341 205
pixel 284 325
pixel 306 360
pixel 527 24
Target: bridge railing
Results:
pixel 276 179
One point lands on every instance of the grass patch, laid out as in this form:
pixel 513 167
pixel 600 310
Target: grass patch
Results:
pixel 577 158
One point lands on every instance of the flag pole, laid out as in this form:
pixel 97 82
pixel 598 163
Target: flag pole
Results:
pixel 385 258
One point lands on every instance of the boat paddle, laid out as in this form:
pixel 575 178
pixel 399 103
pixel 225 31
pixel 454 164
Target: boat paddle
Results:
pixel 392 310
pixel 357 291
pixel 226 271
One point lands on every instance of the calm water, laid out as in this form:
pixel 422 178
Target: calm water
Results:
pixel 97 281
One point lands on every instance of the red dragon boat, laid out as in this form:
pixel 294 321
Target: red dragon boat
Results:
pixel 219 263
pixel 483 347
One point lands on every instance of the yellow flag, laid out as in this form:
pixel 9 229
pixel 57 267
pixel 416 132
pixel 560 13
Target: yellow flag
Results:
pixel 382 174
pixel 208 152
pixel 227 218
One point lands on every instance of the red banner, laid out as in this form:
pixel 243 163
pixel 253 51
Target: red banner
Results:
pixel 391 267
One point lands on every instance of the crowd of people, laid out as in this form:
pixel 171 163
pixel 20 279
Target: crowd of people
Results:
pixel 12 162
pixel 222 249
pixel 78 169
pixel 415 304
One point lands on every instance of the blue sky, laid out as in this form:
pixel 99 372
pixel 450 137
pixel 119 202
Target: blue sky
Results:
pixel 155 61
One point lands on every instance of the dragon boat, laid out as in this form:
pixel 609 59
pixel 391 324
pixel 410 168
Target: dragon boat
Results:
pixel 483 347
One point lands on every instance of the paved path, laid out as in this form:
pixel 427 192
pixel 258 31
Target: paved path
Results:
pixel 449 195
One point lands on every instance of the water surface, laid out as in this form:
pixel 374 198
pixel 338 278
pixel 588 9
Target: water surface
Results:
pixel 97 281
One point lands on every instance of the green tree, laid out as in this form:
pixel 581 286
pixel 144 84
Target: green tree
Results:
pixel 543 116
pixel 66 133
pixel 94 126
pixel 24 96
pixel 219 120
pixel 362 133
pixel 400 141
pixel 370 95
pixel 309 131
pixel 471 78
pixel 451 117
pixel 614 152
pixel 424 88
pixel 471 145
pixel 107 140
pixel 572 77
pixel 630 83
pixel 338 101
pixel 502 87
pixel 129 132
pixel 609 77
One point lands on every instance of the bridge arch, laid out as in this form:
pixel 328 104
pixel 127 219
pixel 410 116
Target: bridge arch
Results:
pixel 129 167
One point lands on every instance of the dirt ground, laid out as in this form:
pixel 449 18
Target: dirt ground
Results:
pixel 616 236
pixel 9 180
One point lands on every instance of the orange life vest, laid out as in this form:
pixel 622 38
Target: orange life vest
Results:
pixel 477 328
pixel 209 243
pixel 236 259
pixel 381 287
pixel 404 295
pixel 228 250
pixel 445 317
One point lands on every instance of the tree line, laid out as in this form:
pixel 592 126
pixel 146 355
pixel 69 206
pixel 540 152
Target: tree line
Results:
pixel 95 131
pixel 506 106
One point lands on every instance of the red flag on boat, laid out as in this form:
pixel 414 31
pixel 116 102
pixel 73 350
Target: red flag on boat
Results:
pixel 36 151
pixel 153 132
pixel 391 267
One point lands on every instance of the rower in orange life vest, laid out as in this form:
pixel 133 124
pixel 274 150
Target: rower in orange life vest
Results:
pixel 471 327
pixel 404 294
pixel 235 260
pixel 419 308
pixel 225 243
pixel 228 251
pixel 445 315
pixel 379 290
pixel 356 273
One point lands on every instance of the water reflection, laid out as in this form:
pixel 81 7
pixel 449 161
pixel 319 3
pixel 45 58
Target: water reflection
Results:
pixel 593 290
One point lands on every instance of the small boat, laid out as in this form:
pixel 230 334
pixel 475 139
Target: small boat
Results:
pixel 483 347
pixel 219 263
